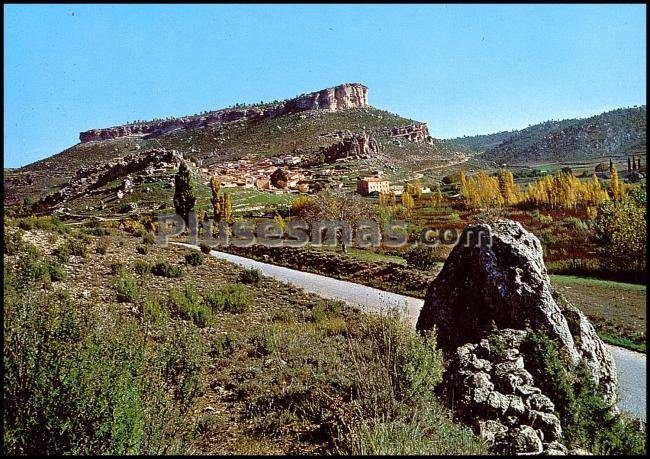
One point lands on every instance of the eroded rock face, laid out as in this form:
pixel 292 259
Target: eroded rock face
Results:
pixel 495 283
pixel 354 146
pixel 342 97
pixel 417 132
pixel 491 389
pixel 97 175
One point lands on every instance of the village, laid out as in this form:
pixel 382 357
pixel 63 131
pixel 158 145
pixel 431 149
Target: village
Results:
pixel 290 174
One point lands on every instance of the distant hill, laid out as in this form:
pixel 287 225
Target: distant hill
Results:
pixel 301 125
pixel 615 133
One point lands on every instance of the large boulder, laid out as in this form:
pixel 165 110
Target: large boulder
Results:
pixel 495 278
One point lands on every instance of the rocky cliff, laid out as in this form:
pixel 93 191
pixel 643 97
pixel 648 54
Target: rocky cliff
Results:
pixel 416 132
pixel 352 147
pixel 342 97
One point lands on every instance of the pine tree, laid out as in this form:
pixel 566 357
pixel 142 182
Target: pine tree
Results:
pixel 184 191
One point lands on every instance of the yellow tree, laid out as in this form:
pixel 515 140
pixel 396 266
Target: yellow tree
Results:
pixel 407 201
pixel 227 207
pixel 614 186
pixel 217 199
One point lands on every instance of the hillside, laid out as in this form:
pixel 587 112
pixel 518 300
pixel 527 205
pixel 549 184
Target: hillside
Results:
pixel 302 125
pixel 616 133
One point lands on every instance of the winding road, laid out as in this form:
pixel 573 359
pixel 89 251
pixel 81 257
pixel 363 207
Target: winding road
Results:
pixel 631 366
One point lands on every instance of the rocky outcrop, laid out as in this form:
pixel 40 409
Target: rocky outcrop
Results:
pixel 95 176
pixel 343 97
pixel 492 390
pixel 495 283
pixel 417 132
pixel 357 146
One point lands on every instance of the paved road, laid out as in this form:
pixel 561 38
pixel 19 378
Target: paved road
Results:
pixel 631 365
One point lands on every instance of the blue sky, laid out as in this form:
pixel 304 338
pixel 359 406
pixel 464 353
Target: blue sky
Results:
pixel 464 69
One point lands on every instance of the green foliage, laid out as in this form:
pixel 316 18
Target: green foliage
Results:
pixel 141 267
pixel 102 246
pixel 46 223
pixel 148 239
pixel 142 249
pixel 621 230
pixel 13 241
pixel 190 306
pixel 154 313
pixel 233 298
pixel 184 191
pixel 194 258
pixel 425 257
pixel 250 276
pixel 185 356
pixel 586 419
pixel 205 248
pixel 78 384
pixel 126 287
pixel 164 269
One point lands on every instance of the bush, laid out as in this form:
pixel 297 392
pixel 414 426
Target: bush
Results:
pixel 78 384
pixel 117 267
pixel 13 242
pixel 233 298
pixel 189 305
pixel 153 313
pixel 141 267
pixel 142 249
pixel 184 359
pixel 250 276
pixel 205 248
pixel 46 223
pixel 194 258
pixel 587 421
pixel 164 269
pixel 425 257
pixel 126 287
pixel 148 239
pixel 577 224
pixel 102 246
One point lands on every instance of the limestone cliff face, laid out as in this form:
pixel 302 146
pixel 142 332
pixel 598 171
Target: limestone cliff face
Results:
pixel 343 97
pixel 417 132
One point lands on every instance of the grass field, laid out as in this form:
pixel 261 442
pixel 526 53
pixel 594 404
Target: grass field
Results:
pixel 617 309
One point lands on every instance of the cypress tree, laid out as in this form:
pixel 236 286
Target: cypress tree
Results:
pixel 184 191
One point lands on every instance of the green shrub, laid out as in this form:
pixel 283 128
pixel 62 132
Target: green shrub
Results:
pixel 126 288
pixel 142 249
pixel 223 345
pixel 233 298
pixel 190 306
pixel 185 358
pixel 80 384
pixel 46 223
pixel 141 267
pixel 154 313
pixel 117 267
pixel 148 239
pixel 425 257
pixel 325 310
pixel 250 276
pixel 194 258
pixel 587 421
pixel 164 269
pixel 577 224
pixel 102 246
pixel 205 248
pixel 13 242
